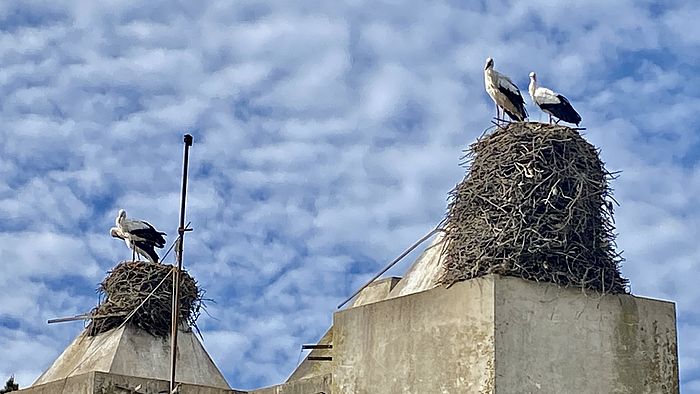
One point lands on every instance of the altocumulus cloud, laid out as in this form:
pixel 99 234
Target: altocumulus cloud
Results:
pixel 327 136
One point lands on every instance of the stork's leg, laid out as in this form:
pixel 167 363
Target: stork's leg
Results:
pixel 550 118
pixel 133 254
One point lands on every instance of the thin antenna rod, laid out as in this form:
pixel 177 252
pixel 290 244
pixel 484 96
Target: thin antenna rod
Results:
pixel 396 260
pixel 176 272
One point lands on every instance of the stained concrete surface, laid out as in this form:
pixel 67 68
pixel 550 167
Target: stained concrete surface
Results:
pixel 130 351
pixel 501 335
pixel 377 291
pixel 425 271
pixel 487 335
pixel 105 383
pixel 506 335
pixel 437 341
pixel 310 368
pixel 316 385
pixel 76 384
pixel 422 275
pixel 556 340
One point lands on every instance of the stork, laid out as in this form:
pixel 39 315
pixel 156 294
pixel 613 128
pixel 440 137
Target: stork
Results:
pixel 553 103
pixel 138 233
pixel 140 230
pixel 143 248
pixel 504 93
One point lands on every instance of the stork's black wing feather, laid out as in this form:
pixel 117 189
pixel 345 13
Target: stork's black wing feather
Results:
pixel 150 234
pixel 147 248
pixel 516 98
pixel 563 110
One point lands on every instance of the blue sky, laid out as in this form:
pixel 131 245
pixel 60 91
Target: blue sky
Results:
pixel 327 136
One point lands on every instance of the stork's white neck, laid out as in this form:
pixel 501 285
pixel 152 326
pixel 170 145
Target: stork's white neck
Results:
pixel 489 77
pixel 532 88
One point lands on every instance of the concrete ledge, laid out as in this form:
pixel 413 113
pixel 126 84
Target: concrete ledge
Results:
pixel 377 291
pixel 315 385
pixel 80 384
pixel 107 383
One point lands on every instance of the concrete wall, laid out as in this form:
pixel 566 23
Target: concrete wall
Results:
pixel 194 365
pixel 310 368
pixel 506 335
pixel 424 272
pixel 553 340
pixel 488 335
pixel 315 385
pixel 438 341
pixel 130 351
pixel 106 383
pixel 377 291
pixel 81 384
pixel 85 354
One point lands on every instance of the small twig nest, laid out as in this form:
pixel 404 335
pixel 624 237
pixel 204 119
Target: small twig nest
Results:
pixel 129 283
pixel 535 204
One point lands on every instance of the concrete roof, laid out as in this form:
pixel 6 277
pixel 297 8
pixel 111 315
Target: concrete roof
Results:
pixel 422 275
pixel 424 272
pixel 133 352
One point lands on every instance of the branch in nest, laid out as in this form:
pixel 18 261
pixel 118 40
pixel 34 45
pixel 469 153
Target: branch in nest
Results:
pixel 535 204
pixel 142 292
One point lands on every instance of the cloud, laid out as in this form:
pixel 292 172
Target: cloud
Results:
pixel 326 139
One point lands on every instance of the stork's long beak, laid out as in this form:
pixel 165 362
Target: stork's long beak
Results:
pixel 114 233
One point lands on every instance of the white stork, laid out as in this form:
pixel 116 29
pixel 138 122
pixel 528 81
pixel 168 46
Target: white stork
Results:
pixel 145 249
pixel 504 93
pixel 138 233
pixel 553 103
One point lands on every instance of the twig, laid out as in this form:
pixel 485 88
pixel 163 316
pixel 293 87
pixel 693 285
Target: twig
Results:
pixel 535 204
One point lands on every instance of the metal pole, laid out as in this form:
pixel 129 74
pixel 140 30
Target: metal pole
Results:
pixel 176 272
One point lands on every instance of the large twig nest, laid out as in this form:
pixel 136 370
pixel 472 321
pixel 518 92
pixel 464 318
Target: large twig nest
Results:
pixel 535 204
pixel 128 285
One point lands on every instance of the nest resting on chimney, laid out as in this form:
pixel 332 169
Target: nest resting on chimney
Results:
pixel 534 204
pixel 127 286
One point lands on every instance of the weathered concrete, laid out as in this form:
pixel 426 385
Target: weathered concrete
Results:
pixel 554 340
pixel 437 341
pixel 376 291
pixel 315 385
pixel 310 368
pixel 424 272
pixel 422 275
pixel 118 384
pixel 104 383
pixel 506 335
pixel 77 384
pixel 494 335
pixel 132 352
